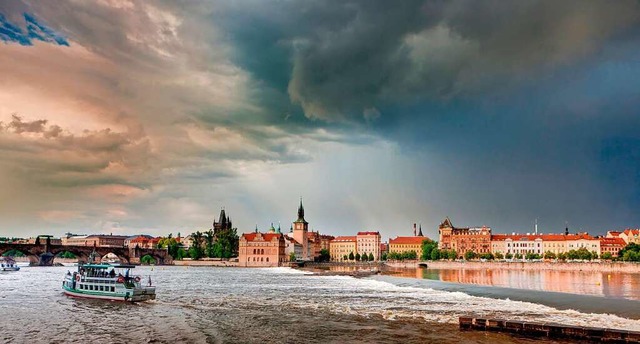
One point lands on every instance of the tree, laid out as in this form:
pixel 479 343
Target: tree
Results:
pixel 351 256
pixel 371 257
pixel 292 256
pixel 357 257
pixel 147 259
pixel 508 255
pixel 499 255
pixel 549 255
pixel 562 256
pixel 531 256
pixel 469 255
pixel 435 254
pixel 209 243
pixel 452 254
pixel 517 256
pixel 607 256
pixel 384 256
pixel 486 256
pixel 427 247
pixel 324 255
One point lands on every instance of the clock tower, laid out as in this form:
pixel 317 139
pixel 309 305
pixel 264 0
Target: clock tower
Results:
pixel 300 229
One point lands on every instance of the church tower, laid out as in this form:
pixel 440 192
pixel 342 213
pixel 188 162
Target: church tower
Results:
pixel 300 229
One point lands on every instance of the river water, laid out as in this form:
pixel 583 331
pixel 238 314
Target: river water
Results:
pixel 281 305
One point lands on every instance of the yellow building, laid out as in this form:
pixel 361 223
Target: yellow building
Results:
pixel 341 246
pixel 407 244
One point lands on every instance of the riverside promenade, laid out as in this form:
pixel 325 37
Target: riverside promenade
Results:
pixel 627 267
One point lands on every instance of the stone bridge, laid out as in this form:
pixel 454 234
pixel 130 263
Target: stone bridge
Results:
pixel 44 254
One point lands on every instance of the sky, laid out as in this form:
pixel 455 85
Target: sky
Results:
pixel 132 117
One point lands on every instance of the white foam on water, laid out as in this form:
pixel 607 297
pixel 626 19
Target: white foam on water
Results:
pixel 373 297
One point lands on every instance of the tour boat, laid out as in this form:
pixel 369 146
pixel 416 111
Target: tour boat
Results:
pixel 8 264
pixel 108 282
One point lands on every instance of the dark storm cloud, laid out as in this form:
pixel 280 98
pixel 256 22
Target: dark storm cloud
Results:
pixel 340 60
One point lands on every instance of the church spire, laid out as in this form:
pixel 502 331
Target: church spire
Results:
pixel 300 211
pixel 420 231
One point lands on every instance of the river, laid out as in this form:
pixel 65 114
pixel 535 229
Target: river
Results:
pixel 281 305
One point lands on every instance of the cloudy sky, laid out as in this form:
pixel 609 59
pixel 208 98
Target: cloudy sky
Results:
pixel 125 117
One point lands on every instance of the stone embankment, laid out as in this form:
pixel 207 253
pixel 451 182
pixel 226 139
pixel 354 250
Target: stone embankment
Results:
pixel 627 267
pixel 550 330
pixel 205 262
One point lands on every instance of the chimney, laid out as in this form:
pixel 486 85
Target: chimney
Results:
pixel 414 230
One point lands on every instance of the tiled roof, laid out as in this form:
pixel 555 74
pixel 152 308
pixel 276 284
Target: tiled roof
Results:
pixel 544 237
pixel 612 242
pixel 407 240
pixel 265 236
pixel 368 233
pixel 344 239
pixel 630 232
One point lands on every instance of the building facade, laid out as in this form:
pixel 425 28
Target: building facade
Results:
pixel 461 240
pixel 262 250
pixel 612 246
pixel 368 243
pixel 97 240
pixel 342 246
pixel 407 244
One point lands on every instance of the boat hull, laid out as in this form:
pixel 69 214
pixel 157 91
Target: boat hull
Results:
pixel 136 296
pixel 11 269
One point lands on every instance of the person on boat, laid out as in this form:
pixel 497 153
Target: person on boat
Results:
pixel 112 273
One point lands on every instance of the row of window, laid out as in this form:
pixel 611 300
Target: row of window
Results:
pixel 92 287
pixel 257 259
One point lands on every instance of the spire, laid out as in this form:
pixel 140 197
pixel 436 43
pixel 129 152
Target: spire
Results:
pixel 272 229
pixel 223 217
pixel 291 229
pixel 256 228
pixel 300 211
pixel 278 230
pixel 420 231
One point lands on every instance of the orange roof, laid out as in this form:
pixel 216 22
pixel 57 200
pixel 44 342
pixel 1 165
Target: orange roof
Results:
pixel 629 232
pixel 265 236
pixel 368 233
pixel 614 233
pixel 544 237
pixel 408 240
pixel 612 242
pixel 139 239
pixel 344 239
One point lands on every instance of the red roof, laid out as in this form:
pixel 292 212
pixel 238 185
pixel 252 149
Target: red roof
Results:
pixel 408 240
pixel 629 232
pixel 614 233
pixel 368 233
pixel 265 236
pixel 544 237
pixel 612 242
pixel 344 239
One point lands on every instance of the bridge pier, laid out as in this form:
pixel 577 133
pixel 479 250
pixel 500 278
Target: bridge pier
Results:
pixel 46 259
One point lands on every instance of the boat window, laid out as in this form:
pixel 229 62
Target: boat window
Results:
pixel 113 288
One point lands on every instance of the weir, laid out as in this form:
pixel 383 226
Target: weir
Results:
pixel 549 330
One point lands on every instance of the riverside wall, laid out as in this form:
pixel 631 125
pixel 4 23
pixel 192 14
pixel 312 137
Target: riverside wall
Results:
pixel 627 267
pixel 205 262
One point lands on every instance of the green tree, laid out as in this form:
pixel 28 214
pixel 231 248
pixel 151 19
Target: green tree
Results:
pixel 324 255
pixel 607 256
pixel 371 257
pixel 209 241
pixel 435 254
pixel 562 256
pixel 550 255
pixel 486 256
pixel 345 257
pixel 452 254
pixel 499 255
pixel 427 247
pixel 351 256
pixel 517 256
pixel 469 255
pixel 147 259
pixel 357 257
pixel 508 255
pixel 292 256
pixel 384 256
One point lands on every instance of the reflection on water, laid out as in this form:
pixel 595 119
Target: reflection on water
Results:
pixel 611 285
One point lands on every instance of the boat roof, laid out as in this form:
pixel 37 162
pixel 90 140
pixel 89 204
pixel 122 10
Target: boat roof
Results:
pixel 107 266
